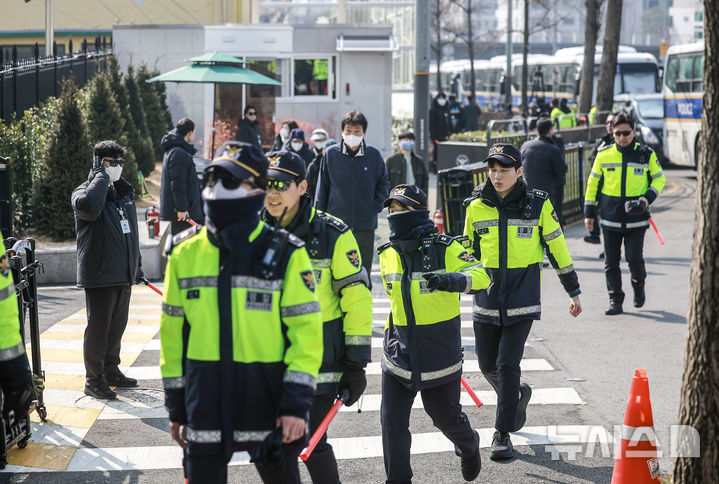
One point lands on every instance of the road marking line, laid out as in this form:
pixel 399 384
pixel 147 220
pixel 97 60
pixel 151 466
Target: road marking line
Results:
pixel 76 328
pixel 51 434
pixel 46 344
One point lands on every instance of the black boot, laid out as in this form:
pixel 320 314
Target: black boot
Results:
pixel 502 447
pixel 614 308
pixel 472 465
pixel 639 296
pixel 116 378
pixel 525 392
pixel 99 389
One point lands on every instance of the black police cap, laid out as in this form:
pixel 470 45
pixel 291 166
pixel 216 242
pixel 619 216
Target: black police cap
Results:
pixel 241 160
pixel 505 153
pixel 408 195
pixel 286 166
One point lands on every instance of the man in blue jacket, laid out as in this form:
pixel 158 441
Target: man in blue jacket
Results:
pixel 353 183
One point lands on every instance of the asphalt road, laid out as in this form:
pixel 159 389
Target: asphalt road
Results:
pixel 592 357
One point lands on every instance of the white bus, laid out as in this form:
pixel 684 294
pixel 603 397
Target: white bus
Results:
pixel 682 90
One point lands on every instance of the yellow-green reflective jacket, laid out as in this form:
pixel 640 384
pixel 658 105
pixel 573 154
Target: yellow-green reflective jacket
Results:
pixel 422 341
pixel 623 174
pixel 509 239
pixel 342 289
pixel 563 120
pixel 11 345
pixel 241 335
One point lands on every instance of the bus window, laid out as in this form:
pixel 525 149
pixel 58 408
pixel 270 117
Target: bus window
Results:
pixel 672 74
pixel 639 78
pixel 684 80
pixel 698 82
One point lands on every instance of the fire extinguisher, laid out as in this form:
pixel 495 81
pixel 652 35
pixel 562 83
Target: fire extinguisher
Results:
pixel 153 222
pixel 439 220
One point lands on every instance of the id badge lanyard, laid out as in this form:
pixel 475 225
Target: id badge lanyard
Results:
pixel 124 223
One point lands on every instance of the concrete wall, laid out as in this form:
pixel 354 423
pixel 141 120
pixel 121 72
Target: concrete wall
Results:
pixel 164 48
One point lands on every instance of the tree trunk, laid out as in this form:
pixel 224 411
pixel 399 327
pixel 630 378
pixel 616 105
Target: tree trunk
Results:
pixel 699 407
pixel 438 43
pixel 470 49
pixel 525 52
pixel 591 32
pixel 608 66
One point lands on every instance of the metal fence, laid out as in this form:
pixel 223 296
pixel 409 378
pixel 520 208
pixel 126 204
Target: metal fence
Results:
pixel 25 83
pixel 456 184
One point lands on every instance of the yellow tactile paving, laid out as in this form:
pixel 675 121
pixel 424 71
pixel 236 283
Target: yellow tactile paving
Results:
pixel 44 456
pixel 65 382
pixel 75 356
pixel 82 418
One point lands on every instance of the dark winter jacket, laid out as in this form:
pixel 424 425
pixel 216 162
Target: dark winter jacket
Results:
pixel 105 255
pixel 305 152
pixel 471 113
pixel 351 186
pixel 180 188
pixel 397 170
pixel 438 125
pixel 313 171
pixel 543 165
pixel 249 132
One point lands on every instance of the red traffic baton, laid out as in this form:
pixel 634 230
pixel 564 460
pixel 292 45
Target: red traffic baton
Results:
pixel 656 231
pixel 151 286
pixel 314 440
pixel 472 395
pixel 193 223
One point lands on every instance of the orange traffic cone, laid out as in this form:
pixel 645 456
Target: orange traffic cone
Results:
pixel 637 461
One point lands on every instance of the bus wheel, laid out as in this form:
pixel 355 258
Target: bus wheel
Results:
pixel 697 150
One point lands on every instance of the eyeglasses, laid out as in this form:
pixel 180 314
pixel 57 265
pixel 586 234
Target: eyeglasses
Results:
pixel 119 162
pixel 622 133
pixel 228 181
pixel 280 186
pixel 252 113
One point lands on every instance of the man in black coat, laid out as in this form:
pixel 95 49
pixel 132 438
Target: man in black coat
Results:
pixel 405 167
pixel 353 184
pixel 248 129
pixel 108 264
pixel 544 164
pixel 297 144
pixel 471 113
pixel 438 126
pixel 180 198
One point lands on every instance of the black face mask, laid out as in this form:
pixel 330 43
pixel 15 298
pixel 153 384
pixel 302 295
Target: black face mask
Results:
pixel 242 214
pixel 409 225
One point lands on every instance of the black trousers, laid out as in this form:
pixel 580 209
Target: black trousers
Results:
pixel 212 469
pixel 365 241
pixel 499 350
pixel 633 252
pixel 322 464
pixel 107 309
pixel 441 403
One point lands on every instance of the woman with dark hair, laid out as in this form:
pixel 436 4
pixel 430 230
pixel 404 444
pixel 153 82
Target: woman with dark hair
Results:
pixel 248 128
pixel 283 137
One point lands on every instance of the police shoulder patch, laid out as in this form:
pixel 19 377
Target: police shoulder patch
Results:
pixel 177 239
pixel 605 147
pixel 308 277
pixel 540 194
pixel 354 258
pixel 467 257
pixel 555 216
pixel 333 222
pixel 294 240
pixel 444 239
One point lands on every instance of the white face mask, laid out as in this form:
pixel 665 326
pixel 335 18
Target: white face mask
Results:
pixel 219 192
pixel 296 145
pixel 319 145
pixel 352 140
pixel 441 101
pixel 113 172
pixel 284 133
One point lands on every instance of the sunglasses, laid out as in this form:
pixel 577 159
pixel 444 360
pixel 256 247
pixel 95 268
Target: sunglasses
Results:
pixel 119 162
pixel 211 178
pixel 280 186
pixel 622 133
pixel 252 113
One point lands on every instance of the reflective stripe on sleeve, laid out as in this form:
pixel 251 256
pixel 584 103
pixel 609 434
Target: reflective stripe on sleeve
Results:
pixel 7 292
pixel 485 311
pixel 357 340
pixel 591 202
pixel 553 235
pixel 392 277
pixel 565 270
pixel 175 311
pixel 329 377
pixel 173 383
pixel 204 436
pixel 250 435
pixel 468 287
pixel 300 378
pixel 189 282
pixel 653 189
pixel 591 173
pixel 300 309
pixel 661 173
pixel 13 352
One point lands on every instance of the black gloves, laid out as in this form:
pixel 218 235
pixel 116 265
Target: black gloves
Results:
pixel 450 282
pixel 98 166
pixel 436 282
pixel 354 380
pixel 269 452
pixel 635 207
pixel 139 278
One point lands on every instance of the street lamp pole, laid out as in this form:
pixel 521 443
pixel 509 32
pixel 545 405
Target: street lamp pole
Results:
pixel 421 79
pixel 508 75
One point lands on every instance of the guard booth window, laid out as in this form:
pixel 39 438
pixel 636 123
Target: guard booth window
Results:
pixel 315 77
